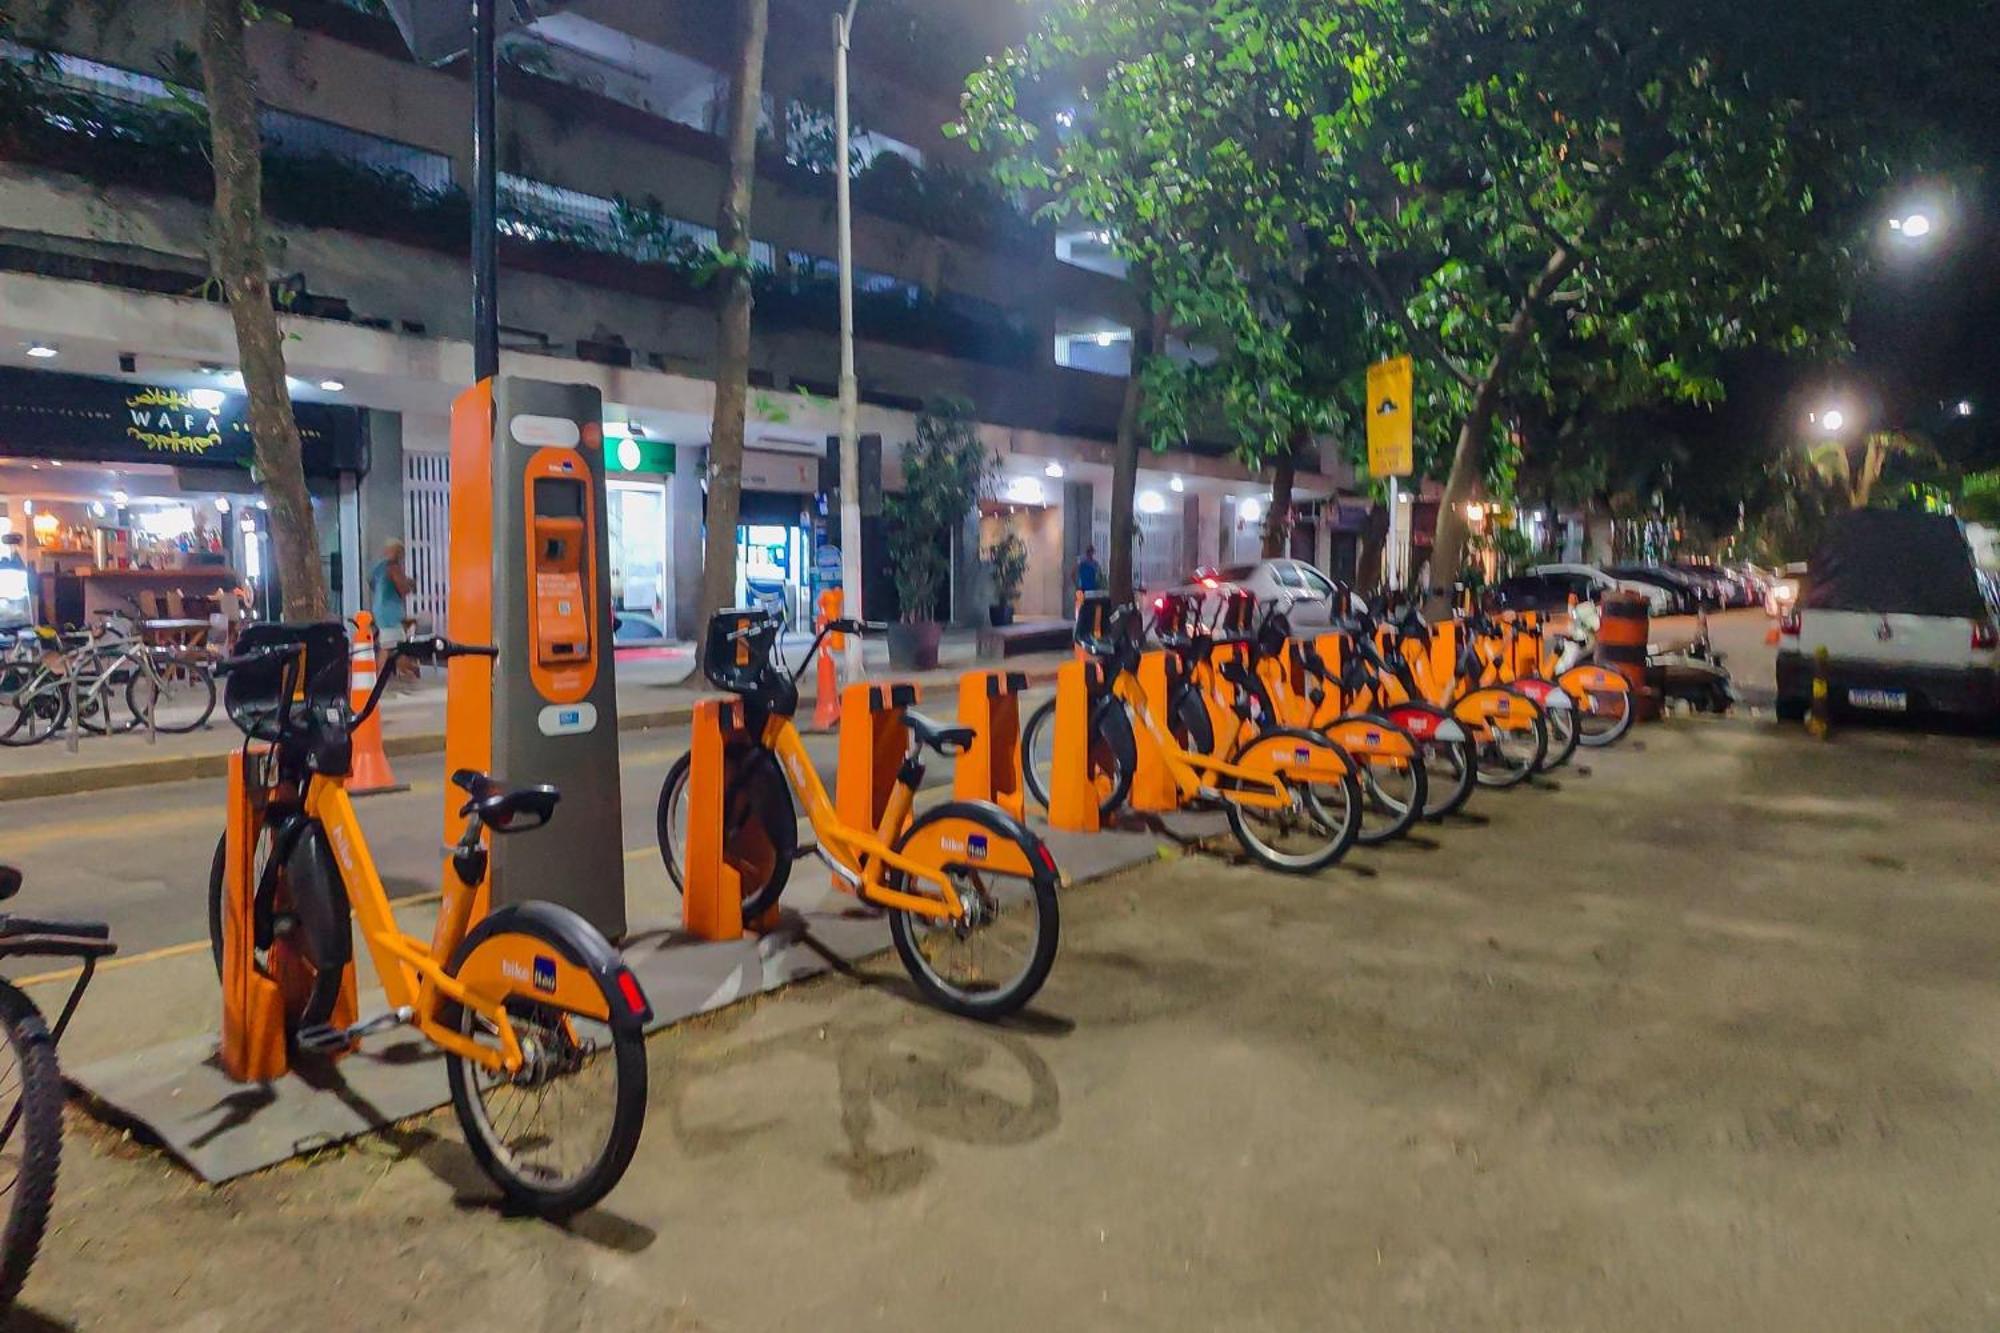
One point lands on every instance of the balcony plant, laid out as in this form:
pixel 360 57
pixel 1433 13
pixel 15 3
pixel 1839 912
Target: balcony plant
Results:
pixel 945 471
pixel 1007 566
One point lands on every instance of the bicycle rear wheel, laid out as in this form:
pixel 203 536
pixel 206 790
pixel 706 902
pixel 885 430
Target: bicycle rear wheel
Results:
pixel 1394 792
pixel 1511 750
pixel 557 1134
pixel 992 960
pixel 182 695
pixel 31 1100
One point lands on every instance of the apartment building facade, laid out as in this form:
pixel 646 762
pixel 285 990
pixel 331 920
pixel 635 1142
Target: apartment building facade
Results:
pixel 120 412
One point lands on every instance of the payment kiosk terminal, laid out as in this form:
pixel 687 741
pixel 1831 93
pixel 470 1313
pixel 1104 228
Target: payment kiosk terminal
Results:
pixel 529 574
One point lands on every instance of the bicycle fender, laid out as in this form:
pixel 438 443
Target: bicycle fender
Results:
pixel 1589 680
pixel 1551 696
pixel 1427 723
pixel 509 953
pixel 1367 734
pixel 947 835
pixel 1493 704
pixel 1300 758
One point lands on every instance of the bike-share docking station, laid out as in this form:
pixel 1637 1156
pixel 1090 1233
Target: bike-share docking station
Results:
pixel 723 853
pixel 530 574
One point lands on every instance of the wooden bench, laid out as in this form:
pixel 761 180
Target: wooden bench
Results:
pixel 1023 636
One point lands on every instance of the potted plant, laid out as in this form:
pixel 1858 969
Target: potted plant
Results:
pixel 945 470
pixel 1007 564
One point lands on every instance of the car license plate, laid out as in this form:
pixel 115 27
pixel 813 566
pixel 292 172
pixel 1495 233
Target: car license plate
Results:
pixel 1888 701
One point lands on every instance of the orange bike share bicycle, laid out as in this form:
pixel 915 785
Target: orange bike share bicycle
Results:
pixel 1291 796
pixel 541 1026
pixel 969 889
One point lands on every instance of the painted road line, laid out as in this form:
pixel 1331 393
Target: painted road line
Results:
pixel 166 951
pixel 928 797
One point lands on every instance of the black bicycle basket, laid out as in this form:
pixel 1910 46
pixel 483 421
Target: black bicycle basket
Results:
pixel 738 651
pixel 1106 629
pixel 1176 618
pixel 1237 622
pixel 287 694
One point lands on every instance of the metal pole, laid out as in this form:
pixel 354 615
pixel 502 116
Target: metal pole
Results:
pixel 485 192
pixel 1392 556
pixel 850 392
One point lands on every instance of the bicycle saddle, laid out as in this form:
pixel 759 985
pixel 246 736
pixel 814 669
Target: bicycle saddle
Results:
pixel 502 809
pixel 945 740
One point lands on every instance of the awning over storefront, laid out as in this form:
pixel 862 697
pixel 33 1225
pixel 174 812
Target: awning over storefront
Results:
pixel 44 414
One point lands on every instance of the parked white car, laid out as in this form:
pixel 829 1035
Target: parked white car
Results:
pixel 1659 601
pixel 1907 620
pixel 1309 593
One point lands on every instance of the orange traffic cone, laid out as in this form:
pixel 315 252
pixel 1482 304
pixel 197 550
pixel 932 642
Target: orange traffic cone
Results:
pixel 826 702
pixel 370 774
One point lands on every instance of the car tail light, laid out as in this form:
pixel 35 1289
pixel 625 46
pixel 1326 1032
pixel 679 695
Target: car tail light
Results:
pixel 1788 624
pixel 1984 636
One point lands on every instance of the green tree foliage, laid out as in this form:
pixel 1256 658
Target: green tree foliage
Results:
pixel 1554 204
pixel 945 471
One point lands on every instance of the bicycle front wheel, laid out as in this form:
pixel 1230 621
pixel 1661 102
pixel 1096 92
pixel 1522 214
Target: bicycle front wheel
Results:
pixel 760 827
pixel 991 960
pixel 557 1134
pixel 180 695
pixel 31 1099
pixel 1112 753
pixel 37 713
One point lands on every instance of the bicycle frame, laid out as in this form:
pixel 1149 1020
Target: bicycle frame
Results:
pixel 864 854
pixel 412 973
pixel 1187 768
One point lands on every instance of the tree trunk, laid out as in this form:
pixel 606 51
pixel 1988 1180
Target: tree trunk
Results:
pixel 732 319
pixel 236 147
pixel 1125 462
pixel 1374 541
pixel 1468 459
pixel 1278 519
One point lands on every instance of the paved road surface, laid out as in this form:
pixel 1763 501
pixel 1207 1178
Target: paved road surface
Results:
pixel 1706 1038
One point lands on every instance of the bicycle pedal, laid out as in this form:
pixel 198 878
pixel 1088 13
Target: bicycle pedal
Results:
pixel 321 1039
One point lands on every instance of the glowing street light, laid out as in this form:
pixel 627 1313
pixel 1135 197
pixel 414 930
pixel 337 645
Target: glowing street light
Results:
pixel 1963 407
pixel 1914 227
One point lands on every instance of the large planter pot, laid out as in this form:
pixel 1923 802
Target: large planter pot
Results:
pixel 914 647
pixel 1001 614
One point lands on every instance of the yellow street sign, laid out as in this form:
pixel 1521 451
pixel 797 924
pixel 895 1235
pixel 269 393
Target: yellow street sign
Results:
pixel 1391 418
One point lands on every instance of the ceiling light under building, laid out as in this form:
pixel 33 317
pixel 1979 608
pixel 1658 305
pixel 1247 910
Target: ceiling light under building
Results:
pixel 1025 490
pixel 332 386
pixel 1177 485
pixel 42 351
pixel 1250 510
pixel 1054 470
pixel 1152 502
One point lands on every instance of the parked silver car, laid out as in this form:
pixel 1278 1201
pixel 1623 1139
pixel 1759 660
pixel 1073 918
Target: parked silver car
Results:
pixel 1310 592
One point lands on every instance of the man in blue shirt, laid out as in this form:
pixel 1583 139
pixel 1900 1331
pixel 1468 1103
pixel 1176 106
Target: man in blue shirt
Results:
pixel 389 587
pixel 1088 577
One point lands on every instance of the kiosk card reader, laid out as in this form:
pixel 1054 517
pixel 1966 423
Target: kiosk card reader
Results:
pixel 530 575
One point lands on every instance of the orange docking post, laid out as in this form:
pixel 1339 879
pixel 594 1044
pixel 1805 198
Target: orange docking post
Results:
pixel 1073 796
pixel 990 703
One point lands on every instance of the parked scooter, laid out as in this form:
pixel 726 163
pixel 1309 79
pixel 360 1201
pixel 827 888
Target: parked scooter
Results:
pixel 1697 674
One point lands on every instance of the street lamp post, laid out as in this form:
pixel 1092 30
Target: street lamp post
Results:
pixel 850 393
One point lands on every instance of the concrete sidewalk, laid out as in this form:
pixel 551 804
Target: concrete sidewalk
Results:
pixel 657 687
